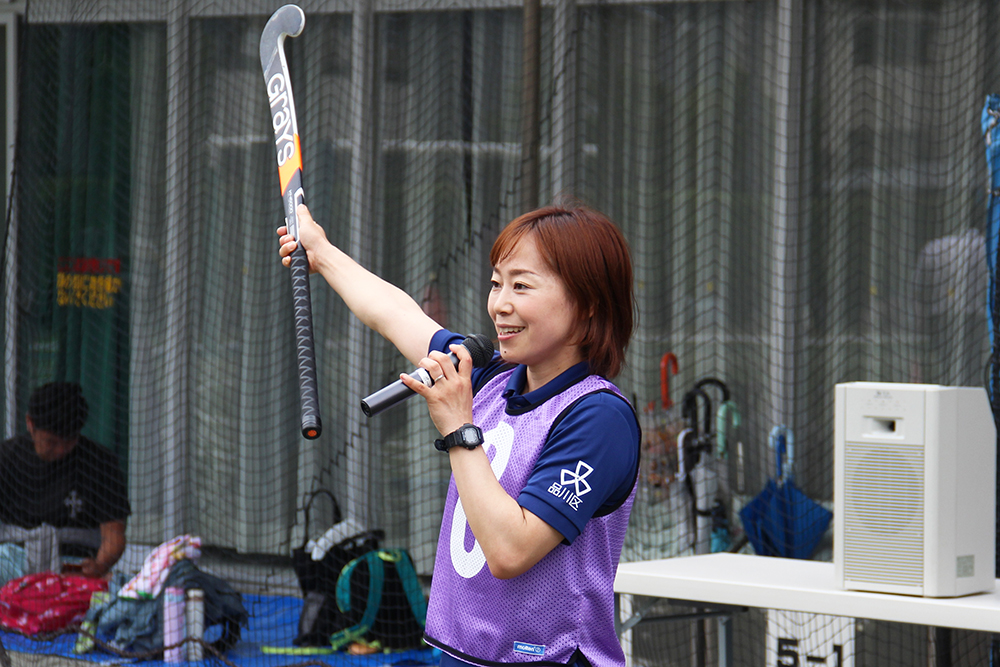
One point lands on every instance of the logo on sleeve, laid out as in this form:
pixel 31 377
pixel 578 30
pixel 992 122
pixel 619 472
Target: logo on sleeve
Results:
pixel 572 484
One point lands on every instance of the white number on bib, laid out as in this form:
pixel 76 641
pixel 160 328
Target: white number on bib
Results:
pixel 469 563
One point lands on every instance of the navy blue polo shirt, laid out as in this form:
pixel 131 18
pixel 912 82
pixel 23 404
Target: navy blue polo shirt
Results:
pixel 601 429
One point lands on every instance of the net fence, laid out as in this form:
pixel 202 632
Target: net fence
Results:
pixel 802 185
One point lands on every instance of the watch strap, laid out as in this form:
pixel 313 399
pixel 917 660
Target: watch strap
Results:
pixel 457 438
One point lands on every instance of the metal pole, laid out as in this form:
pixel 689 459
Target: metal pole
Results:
pixel 11 416
pixel 175 404
pixel 564 98
pixel 530 124
pixel 786 214
pixel 359 245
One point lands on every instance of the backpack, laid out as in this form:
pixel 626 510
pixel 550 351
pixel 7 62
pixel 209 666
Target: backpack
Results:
pixel 376 597
pixel 321 618
pixel 394 609
pixel 355 592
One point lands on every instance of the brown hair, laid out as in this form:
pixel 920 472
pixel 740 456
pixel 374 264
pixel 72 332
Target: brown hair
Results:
pixel 592 257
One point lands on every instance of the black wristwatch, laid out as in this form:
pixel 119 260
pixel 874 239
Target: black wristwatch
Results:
pixel 469 436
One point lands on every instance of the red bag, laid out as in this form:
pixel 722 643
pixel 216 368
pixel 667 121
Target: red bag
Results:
pixel 46 601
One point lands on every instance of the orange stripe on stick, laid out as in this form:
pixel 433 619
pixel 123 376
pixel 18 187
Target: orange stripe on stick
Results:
pixel 292 164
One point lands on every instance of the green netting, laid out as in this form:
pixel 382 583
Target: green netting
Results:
pixel 801 183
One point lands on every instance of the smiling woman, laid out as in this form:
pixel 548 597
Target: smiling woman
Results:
pixel 544 479
pixel 547 499
pixel 589 255
pixel 534 315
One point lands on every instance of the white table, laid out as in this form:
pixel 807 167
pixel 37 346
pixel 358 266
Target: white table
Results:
pixel 796 585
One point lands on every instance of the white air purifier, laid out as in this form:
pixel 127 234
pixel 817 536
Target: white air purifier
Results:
pixel 914 489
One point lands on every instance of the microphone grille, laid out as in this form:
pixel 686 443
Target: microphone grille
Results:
pixel 481 349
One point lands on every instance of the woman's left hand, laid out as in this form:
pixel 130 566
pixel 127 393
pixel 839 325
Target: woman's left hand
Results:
pixel 449 399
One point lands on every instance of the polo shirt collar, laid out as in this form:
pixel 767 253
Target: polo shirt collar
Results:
pixel 518 403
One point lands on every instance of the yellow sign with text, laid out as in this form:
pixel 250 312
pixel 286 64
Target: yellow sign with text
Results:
pixel 88 282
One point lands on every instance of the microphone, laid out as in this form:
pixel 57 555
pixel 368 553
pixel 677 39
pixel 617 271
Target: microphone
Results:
pixel 478 345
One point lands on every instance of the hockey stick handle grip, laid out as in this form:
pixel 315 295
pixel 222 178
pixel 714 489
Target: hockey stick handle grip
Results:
pixel 312 426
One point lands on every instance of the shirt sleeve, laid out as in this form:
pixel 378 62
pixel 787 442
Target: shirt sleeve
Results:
pixel 588 466
pixel 443 339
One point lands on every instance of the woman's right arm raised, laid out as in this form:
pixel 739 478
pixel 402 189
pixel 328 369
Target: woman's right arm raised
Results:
pixel 381 305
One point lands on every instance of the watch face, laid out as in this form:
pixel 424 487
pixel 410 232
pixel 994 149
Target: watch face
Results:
pixel 470 436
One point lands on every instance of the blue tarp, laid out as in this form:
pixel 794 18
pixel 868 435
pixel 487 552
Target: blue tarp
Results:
pixel 273 622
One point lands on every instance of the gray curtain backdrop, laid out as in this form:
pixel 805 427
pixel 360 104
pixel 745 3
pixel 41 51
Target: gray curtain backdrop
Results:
pixel 798 182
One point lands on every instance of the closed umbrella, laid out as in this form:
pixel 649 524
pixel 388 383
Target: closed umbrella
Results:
pixel 727 420
pixel 660 509
pixel 660 425
pixel 700 478
pixel 781 520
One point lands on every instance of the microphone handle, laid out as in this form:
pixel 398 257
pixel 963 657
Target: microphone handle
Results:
pixel 397 391
pixel 390 395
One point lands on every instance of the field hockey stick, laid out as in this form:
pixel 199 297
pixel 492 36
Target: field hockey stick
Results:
pixel 289 21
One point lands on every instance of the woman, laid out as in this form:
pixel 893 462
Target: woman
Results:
pixel 544 453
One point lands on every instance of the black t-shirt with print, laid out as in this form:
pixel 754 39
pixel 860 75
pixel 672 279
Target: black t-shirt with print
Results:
pixel 82 490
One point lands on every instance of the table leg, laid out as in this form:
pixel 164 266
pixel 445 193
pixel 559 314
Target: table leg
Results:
pixel 725 641
pixel 942 647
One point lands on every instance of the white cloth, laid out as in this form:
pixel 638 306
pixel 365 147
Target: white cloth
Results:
pixel 41 546
pixel 148 583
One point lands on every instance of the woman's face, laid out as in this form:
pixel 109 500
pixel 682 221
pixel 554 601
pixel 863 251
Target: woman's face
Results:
pixel 535 319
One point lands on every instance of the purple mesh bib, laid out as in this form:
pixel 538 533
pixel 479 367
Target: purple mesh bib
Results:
pixel 564 603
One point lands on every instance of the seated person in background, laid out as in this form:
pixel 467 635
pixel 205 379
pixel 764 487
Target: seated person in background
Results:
pixel 53 475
